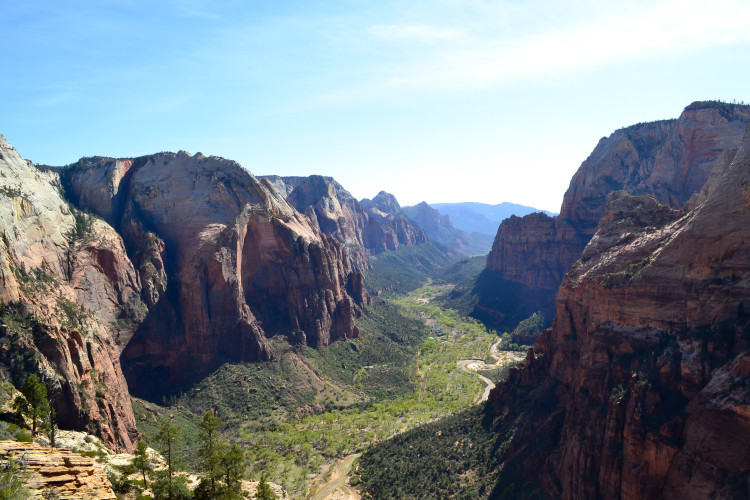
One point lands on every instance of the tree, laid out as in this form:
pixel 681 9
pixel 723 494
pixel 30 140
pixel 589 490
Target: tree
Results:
pixel 141 460
pixel 174 488
pixel 232 465
pixel 34 403
pixel 51 426
pixel 169 435
pixel 209 448
pixel 264 491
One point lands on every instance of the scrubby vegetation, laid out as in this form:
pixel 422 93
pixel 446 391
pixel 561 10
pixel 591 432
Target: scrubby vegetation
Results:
pixel 408 268
pixel 408 466
pixel 314 407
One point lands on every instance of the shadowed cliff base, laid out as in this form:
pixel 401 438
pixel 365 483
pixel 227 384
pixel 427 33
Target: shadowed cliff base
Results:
pixel 500 304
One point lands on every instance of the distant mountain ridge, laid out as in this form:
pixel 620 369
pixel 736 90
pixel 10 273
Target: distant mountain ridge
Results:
pixel 474 217
pixel 440 229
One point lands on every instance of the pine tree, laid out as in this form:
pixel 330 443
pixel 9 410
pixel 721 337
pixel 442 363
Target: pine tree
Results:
pixel 264 491
pixel 209 449
pixel 141 460
pixel 169 435
pixel 51 426
pixel 34 403
pixel 232 465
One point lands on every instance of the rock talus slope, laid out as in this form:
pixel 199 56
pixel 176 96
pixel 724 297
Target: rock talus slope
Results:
pixel 68 292
pixel 641 388
pixel 671 160
pixel 226 262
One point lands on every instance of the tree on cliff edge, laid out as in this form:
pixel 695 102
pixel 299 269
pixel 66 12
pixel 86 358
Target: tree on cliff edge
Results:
pixel 34 403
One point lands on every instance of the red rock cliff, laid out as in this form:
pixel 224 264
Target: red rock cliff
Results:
pixel 671 160
pixel 226 262
pixel 70 301
pixel 641 388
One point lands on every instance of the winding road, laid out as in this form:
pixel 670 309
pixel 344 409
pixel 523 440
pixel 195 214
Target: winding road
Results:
pixel 474 365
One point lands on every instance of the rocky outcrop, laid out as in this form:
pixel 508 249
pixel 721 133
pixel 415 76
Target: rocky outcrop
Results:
pixel 671 160
pixel 70 301
pixel 396 228
pixel 57 473
pixel 439 228
pixel 640 389
pixel 335 212
pixel 224 260
pixel 364 229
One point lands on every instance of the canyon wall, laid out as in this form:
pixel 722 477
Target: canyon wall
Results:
pixel 640 389
pixel 671 160
pixel 364 229
pixel 70 300
pixel 225 261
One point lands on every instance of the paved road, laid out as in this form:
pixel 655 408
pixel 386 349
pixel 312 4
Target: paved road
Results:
pixel 501 358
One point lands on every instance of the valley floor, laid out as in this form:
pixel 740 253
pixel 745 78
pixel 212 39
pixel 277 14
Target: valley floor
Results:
pixel 305 420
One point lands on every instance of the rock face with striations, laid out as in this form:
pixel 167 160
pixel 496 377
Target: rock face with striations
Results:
pixel 397 229
pixel 225 263
pixel 671 160
pixel 640 389
pixel 70 301
pixel 364 229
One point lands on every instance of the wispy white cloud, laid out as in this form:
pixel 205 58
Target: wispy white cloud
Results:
pixel 413 32
pixel 587 37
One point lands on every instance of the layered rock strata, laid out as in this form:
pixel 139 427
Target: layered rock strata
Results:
pixel 671 160
pixel 224 260
pixel 397 229
pixel 640 389
pixel 70 301
pixel 364 229
pixel 56 473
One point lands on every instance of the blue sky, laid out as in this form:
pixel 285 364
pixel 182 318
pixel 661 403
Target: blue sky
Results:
pixel 443 101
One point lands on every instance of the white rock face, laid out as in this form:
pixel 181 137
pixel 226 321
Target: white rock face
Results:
pixel 33 219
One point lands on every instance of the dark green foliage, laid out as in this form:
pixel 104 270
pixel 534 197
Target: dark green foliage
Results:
pixel 12 192
pixel 450 458
pixel 463 270
pixel 407 268
pixel 34 404
pixel 531 325
pixel 141 460
pixel 264 491
pixel 171 437
pixel 170 488
pixel 83 228
pixel 209 451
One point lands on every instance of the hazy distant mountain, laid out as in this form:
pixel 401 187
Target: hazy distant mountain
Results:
pixel 483 218
pixel 440 229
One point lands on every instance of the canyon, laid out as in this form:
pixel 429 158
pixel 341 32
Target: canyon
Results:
pixel 640 388
pixel 142 276
pixel 671 160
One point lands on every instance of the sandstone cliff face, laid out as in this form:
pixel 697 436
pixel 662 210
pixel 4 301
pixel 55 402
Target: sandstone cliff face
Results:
pixel 225 263
pixel 640 389
pixel 364 229
pixel 335 212
pixel 396 228
pixel 70 301
pixel 671 160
